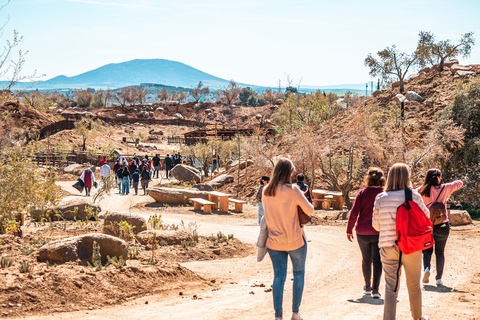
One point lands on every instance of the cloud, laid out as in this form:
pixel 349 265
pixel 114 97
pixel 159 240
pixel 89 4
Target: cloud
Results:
pixel 134 5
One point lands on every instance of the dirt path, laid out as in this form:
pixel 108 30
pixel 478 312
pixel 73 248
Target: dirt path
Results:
pixel 333 287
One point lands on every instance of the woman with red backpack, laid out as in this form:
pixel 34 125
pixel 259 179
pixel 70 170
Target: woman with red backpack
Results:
pixel 384 220
pixel 435 195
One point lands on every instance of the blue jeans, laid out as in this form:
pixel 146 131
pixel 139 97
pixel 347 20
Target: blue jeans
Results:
pixel 279 261
pixel 126 185
pixel 156 170
pixel 261 213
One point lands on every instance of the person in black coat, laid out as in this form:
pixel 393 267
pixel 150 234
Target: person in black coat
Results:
pixel 168 164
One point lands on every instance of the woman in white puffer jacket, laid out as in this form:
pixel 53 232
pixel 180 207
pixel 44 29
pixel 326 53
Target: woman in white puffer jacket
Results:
pixel 384 221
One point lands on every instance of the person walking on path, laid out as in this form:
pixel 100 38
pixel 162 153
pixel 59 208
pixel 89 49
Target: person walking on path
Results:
pixel 433 190
pixel 168 164
pixel 145 175
pixel 286 237
pixel 88 178
pixel 125 181
pixel 135 181
pixel 384 221
pixel 156 165
pixel 103 161
pixel 367 237
pixel 263 182
pixel 132 166
pixel 304 187
pixel 105 171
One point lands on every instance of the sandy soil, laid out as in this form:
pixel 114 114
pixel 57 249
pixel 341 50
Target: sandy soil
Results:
pixel 333 287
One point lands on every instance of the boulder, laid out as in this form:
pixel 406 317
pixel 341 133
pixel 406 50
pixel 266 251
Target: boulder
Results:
pixel 81 247
pixel 220 181
pixel 110 225
pixel 74 169
pixel 412 76
pixel 243 164
pixel 120 115
pixel 175 196
pixel 461 73
pixel 457 67
pixel 159 109
pixel 395 84
pixel 178 116
pixel 400 98
pixel 425 70
pixel 183 172
pixel 72 208
pixel 413 96
pixel 258 116
pixel 459 217
pixel 171 237
pixel 450 63
pixel 202 187
pixel 376 93
pixel 116 153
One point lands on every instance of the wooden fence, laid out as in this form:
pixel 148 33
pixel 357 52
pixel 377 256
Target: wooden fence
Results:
pixel 175 140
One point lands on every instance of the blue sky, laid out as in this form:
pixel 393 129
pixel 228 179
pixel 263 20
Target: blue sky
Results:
pixel 256 42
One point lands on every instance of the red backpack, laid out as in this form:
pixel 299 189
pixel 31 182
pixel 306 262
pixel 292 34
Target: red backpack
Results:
pixel 413 227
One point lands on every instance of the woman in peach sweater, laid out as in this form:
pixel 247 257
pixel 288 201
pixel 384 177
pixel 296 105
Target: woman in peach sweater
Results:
pixel 285 235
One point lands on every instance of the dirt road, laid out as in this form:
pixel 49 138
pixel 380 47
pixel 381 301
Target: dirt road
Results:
pixel 333 287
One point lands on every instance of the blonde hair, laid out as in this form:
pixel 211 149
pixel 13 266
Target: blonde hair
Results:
pixel 398 177
pixel 281 174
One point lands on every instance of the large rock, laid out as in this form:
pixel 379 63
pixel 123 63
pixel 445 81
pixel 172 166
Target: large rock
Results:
pixel 462 73
pixel 459 217
pixel 457 67
pixel 376 93
pixel 450 63
pixel 73 208
pixel 395 84
pixel 243 163
pixel 169 236
pixel 81 247
pixel 110 225
pixel 220 181
pixel 202 187
pixel 185 173
pixel 413 96
pixel 175 196
pixel 412 76
pixel 74 169
pixel 424 70
pixel 400 98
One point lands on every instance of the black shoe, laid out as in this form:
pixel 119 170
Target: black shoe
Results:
pixel 376 294
pixel 367 290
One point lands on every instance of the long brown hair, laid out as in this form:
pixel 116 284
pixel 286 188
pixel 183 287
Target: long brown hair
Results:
pixel 398 177
pixel 430 180
pixel 281 174
pixel 375 177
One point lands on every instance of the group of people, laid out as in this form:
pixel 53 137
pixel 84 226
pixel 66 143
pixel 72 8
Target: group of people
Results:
pixel 373 216
pixel 137 171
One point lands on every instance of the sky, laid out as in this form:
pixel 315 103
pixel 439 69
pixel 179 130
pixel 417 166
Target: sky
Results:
pixel 250 41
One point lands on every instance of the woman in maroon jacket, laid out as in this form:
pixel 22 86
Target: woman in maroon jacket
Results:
pixel 367 237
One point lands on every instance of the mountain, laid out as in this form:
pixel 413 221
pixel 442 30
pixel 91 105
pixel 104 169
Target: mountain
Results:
pixel 117 75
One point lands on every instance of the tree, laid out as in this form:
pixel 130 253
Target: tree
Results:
pixel 348 99
pixel 199 91
pixel 138 95
pixel 163 95
pixel 36 99
pixel 432 51
pixel 391 64
pixel 230 94
pixel 88 128
pixel 84 98
pixel 123 97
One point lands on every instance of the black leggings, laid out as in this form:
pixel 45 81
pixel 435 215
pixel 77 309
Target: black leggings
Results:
pixel 440 235
pixel 370 255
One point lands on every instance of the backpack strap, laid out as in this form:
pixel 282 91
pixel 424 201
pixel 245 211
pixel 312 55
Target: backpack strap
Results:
pixel 408 197
pixel 398 271
pixel 439 193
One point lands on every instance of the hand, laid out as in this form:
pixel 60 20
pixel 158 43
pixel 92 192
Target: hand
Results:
pixel 350 237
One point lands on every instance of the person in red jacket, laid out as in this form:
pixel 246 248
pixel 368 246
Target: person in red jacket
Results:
pixel 103 161
pixel 367 237
pixel 88 178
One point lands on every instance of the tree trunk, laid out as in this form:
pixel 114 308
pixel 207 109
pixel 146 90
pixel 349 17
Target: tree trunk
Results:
pixel 402 88
pixel 442 60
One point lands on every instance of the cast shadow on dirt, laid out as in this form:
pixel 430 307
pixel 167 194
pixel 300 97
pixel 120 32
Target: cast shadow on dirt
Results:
pixel 441 289
pixel 368 300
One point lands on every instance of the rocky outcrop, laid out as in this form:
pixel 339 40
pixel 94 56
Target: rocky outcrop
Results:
pixel 450 63
pixel 74 169
pixel 111 223
pixel 202 187
pixel 412 76
pixel 81 247
pixel 183 172
pixel 461 73
pixel 175 196
pixel 220 180
pixel 400 98
pixel 376 93
pixel 73 208
pixel 457 67
pixel 459 217
pixel 243 163
pixel 169 236
pixel 413 96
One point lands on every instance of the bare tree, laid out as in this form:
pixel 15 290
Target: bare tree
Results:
pixel 199 91
pixel 163 95
pixel 230 94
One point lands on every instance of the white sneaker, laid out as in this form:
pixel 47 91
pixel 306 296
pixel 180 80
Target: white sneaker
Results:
pixel 426 275
pixel 439 282
pixel 424 318
pixel 297 316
